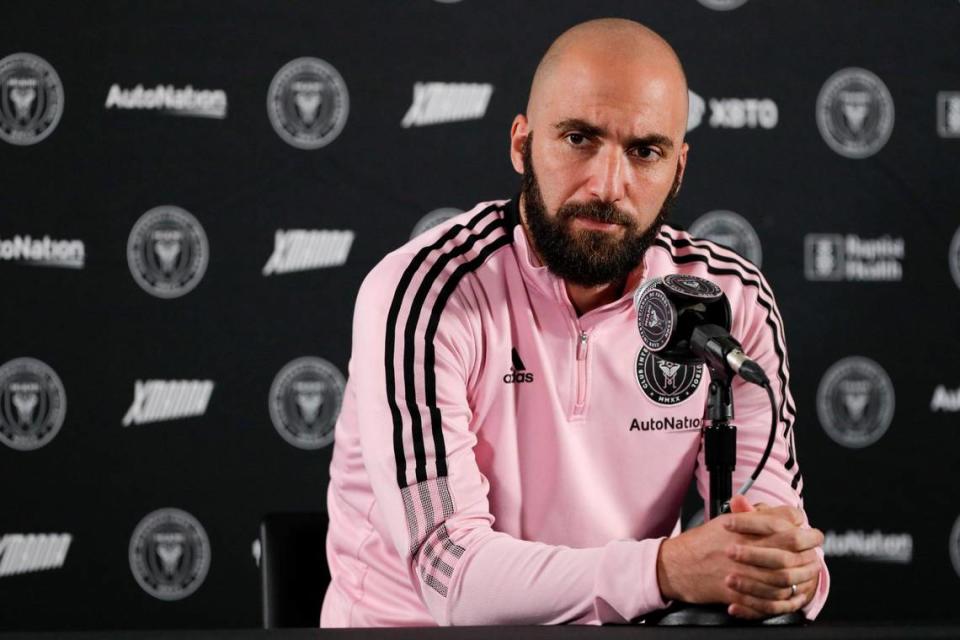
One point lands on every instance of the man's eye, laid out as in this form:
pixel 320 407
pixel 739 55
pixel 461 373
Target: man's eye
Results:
pixel 647 153
pixel 576 139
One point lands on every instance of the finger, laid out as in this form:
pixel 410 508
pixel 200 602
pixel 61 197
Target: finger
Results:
pixel 757 588
pixel 779 578
pixel 739 610
pixel 770 557
pixel 790 514
pixel 797 540
pixel 771 607
pixel 756 523
pixel 739 504
pixel 761 506
pixel 753 587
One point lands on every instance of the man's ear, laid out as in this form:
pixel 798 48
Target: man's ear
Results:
pixel 519 131
pixel 681 166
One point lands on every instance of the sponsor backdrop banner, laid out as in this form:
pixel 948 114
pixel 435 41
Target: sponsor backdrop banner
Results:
pixel 192 196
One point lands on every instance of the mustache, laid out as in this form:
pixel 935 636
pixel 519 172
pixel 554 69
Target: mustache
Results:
pixel 595 210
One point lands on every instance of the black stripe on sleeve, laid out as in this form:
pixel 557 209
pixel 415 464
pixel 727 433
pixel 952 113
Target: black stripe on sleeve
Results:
pixel 390 335
pixel 430 379
pixel 410 336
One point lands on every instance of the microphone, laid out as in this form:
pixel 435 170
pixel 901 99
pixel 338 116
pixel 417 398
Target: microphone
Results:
pixel 686 319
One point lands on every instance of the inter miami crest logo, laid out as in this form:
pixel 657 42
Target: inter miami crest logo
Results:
pixel 955 546
pixel 855 113
pixel 855 402
pixel 667 383
pixel 31 99
pixel 167 252
pixel 433 219
pixel 730 230
pixel 955 257
pixel 169 554
pixel 32 404
pixel 305 401
pixel 308 103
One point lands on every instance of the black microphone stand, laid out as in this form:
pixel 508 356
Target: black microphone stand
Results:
pixel 720 455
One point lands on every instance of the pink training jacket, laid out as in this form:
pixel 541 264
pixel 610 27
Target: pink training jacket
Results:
pixel 499 460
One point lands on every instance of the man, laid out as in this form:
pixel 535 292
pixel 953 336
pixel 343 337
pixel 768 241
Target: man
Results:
pixel 496 458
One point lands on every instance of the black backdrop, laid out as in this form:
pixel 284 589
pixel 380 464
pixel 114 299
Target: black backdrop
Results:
pixel 877 438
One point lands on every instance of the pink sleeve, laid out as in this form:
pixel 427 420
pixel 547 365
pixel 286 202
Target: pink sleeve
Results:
pixel 759 328
pixel 418 450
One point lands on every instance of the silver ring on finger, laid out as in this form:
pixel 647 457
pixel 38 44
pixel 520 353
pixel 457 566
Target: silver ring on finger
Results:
pixel 793 590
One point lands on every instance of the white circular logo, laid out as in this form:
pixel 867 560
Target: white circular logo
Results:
pixel 730 230
pixel 955 546
pixel 855 113
pixel 955 257
pixel 167 252
pixel 722 5
pixel 855 402
pixel 169 554
pixel 666 383
pixel 305 400
pixel 308 103
pixel 433 219
pixel 33 404
pixel 31 99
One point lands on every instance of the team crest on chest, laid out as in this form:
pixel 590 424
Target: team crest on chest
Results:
pixel 667 383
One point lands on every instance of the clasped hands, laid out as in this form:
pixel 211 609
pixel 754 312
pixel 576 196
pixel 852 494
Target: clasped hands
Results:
pixel 748 559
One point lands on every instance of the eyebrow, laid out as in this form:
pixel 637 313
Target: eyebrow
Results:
pixel 592 130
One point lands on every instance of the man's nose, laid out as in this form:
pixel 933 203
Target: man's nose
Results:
pixel 608 175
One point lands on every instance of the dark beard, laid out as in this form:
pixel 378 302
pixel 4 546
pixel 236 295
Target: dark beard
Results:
pixel 586 258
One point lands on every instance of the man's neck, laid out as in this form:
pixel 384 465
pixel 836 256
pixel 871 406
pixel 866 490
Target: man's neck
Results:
pixel 586 299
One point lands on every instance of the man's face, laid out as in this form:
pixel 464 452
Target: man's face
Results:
pixel 592 255
pixel 606 161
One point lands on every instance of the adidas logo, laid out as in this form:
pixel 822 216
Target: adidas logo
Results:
pixel 32 552
pixel 518 373
pixel 156 400
pixel 438 102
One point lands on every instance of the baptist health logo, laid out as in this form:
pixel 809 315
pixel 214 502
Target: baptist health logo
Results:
pixel 732 113
pixel 30 552
pixel 31 99
pixel 855 402
pixel 201 103
pixel 876 546
pixel 440 102
pixel 850 257
pixel 158 400
pixel 855 113
pixel 43 252
pixel 303 249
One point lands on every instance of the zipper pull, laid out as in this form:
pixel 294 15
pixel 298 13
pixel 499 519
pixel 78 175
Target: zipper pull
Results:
pixel 582 346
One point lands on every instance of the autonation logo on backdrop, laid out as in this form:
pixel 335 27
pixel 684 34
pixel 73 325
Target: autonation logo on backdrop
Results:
pixel 876 546
pixel 43 252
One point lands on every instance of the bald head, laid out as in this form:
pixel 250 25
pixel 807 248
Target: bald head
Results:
pixel 609 50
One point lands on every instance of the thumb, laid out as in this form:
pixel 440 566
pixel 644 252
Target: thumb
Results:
pixel 739 504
